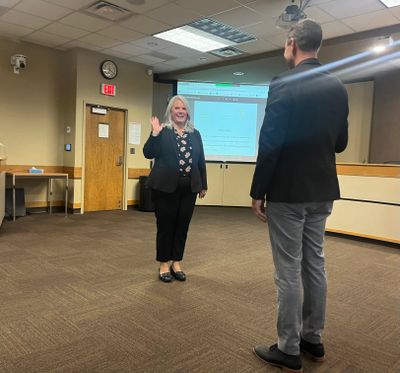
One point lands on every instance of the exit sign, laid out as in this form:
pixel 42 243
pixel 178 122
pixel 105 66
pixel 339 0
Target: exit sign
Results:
pixel 108 89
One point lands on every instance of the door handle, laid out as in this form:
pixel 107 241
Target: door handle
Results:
pixel 119 161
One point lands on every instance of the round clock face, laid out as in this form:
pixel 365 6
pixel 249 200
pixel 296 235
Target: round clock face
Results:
pixel 109 69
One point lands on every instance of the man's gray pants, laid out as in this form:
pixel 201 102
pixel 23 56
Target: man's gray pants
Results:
pixel 297 235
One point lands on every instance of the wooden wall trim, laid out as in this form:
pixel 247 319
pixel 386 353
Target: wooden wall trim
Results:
pixel 133 202
pixel 381 170
pixel 73 172
pixel 135 173
pixel 386 239
pixel 2 165
pixel 45 204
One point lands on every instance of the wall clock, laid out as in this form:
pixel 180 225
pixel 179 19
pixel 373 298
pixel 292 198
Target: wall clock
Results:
pixel 109 69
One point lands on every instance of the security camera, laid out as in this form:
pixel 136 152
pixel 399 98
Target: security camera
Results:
pixel 18 61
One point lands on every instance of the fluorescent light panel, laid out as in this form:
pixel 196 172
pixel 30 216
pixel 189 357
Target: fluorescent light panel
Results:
pixel 192 38
pixel 391 3
pixel 205 35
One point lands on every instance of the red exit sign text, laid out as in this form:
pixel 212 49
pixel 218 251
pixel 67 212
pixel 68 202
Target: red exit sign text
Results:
pixel 108 89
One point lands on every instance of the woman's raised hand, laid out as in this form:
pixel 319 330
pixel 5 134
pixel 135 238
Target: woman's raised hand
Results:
pixel 156 125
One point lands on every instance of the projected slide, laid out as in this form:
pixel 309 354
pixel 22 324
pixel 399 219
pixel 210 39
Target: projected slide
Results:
pixel 226 128
pixel 228 116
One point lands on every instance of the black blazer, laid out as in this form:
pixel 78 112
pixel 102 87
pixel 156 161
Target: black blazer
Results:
pixel 164 175
pixel 305 123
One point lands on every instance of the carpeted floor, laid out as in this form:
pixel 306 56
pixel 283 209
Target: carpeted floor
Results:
pixel 81 294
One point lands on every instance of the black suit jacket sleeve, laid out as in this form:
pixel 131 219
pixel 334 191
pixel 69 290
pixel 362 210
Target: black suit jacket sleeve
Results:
pixel 202 164
pixel 152 147
pixel 343 138
pixel 272 136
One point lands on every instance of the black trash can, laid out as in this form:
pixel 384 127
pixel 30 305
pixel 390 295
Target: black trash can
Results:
pixel 145 201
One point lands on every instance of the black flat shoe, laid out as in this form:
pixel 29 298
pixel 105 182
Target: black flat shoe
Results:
pixel 179 275
pixel 165 277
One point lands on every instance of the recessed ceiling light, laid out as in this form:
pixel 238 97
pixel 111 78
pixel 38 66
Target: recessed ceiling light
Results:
pixel 205 35
pixel 238 73
pixel 390 3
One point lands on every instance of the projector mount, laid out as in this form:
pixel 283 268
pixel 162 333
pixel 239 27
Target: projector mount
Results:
pixel 292 14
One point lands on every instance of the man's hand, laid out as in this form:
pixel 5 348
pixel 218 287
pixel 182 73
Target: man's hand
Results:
pixel 258 206
pixel 202 193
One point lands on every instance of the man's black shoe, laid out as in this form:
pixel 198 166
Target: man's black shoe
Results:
pixel 277 358
pixel 315 351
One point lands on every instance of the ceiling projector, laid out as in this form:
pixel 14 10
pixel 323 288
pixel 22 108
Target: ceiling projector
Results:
pixel 292 14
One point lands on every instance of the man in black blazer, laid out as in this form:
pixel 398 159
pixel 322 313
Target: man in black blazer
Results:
pixel 305 124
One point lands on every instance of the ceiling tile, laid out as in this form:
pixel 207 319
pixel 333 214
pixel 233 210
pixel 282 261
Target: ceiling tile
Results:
pixel 258 46
pixel 113 52
pixel 80 44
pixel 100 40
pixel 121 33
pixel 11 30
pixel 66 31
pixel 334 29
pixel 24 19
pixel 244 2
pixel 72 4
pixel 268 9
pixel 43 38
pixel 317 14
pixel 145 25
pixel 396 11
pixel 372 20
pixel 162 68
pixel 317 2
pixel 193 61
pixel 146 59
pixel 130 49
pixel 347 8
pixel 9 3
pixel 173 14
pixel 85 22
pixel 179 51
pixel 262 29
pixel 152 43
pixel 42 9
pixel 238 17
pixel 208 7
pixel 278 39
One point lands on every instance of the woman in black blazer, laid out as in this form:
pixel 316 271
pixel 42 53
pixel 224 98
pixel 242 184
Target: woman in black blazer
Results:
pixel 177 177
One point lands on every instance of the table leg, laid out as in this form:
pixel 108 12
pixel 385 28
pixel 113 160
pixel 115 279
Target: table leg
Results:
pixel 13 191
pixel 66 196
pixel 51 194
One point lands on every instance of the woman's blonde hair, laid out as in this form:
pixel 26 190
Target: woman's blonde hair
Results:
pixel 189 127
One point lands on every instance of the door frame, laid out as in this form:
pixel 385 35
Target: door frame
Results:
pixel 124 204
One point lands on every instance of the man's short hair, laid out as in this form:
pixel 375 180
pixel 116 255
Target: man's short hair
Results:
pixel 307 34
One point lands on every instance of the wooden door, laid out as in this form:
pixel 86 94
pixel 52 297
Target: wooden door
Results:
pixel 104 155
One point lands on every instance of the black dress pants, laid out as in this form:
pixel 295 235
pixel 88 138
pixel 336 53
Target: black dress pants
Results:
pixel 173 213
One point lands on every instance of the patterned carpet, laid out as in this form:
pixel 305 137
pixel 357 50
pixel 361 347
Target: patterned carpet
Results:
pixel 81 294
